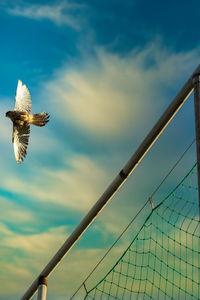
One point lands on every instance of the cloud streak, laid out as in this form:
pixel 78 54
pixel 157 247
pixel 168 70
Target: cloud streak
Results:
pixel 29 248
pixel 60 14
pixel 74 186
pixel 110 95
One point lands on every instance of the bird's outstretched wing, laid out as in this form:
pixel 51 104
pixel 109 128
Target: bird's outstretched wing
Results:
pixel 20 141
pixel 23 98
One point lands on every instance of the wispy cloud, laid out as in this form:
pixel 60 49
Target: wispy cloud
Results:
pixel 107 96
pixel 14 212
pixel 73 186
pixel 61 13
pixel 29 254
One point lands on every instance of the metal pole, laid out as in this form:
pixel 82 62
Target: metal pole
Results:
pixel 196 82
pixel 42 289
pixel 117 182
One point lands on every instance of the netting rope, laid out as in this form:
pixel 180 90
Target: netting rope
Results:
pixel 163 260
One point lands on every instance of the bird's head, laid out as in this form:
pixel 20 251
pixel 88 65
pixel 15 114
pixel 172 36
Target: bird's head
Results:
pixel 8 114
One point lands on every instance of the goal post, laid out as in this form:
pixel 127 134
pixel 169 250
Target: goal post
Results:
pixel 132 163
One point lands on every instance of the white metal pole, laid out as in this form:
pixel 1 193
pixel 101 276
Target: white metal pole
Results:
pixel 196 82
pixel 117 182
pixel 42 289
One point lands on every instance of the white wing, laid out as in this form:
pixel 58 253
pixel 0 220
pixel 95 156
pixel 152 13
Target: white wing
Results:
pixel 20 141
pixel 23 98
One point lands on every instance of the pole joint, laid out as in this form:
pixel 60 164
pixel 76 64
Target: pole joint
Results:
pixel 42 288
pixel 122 174
pixel 151 202
pixel 42 280
pixel 85 287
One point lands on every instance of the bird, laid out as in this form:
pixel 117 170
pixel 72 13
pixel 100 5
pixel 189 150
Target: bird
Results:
pixel 22 118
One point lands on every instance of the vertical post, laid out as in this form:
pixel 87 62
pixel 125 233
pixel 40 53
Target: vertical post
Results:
pixel 42 289
pixel 196 83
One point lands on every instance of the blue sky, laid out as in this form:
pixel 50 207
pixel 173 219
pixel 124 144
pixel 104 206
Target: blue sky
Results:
pixel 105 70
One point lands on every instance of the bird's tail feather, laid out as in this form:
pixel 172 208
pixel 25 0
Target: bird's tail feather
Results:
pixel 39 119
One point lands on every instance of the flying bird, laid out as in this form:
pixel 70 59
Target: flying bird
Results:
pixel 22 118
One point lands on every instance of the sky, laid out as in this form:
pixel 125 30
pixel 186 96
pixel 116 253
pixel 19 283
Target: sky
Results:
pixel 105 71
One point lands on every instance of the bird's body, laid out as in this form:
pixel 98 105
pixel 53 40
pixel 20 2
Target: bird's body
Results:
pixel 22 118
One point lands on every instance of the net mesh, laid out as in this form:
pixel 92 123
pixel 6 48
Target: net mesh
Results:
pixel 162 262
